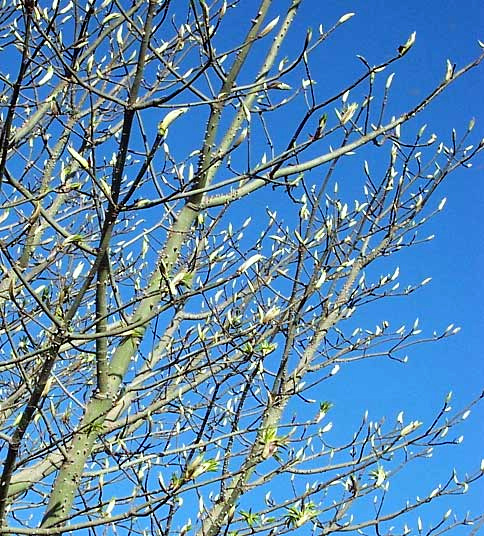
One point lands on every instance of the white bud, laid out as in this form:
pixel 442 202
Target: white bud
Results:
pixel 327 428
pixel 406 47
pixel 346 17
pixel 344 211
pixel 389 81
pixel 449 71
pixel 321 280
pixel 78 270
pixel 249 262
pixel 241 138
pixel 269 27
pixel 80 159
pixel 335 370
pixel 47 76
pixel 270 315
pixel 169 118
pixel 110 506
pixel 348 113
pixel 410 428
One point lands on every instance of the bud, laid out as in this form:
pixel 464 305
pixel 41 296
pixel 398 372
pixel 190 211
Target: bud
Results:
pixel 348 113
pixel 269 27
pixel 169 118
pixel 80 159
pixel 389 81
pixel 403 49
pixel 450 71
pixel 334 370
pixel 346 17
pixel 241 138
pixel 270 315
pixel 410 428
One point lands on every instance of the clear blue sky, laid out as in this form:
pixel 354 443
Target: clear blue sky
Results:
pixel 448 29
pixel 445 29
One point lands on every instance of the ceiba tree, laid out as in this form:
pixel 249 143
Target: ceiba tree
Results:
pixel 164 357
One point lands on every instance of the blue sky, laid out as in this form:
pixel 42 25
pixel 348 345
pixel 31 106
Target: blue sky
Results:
pixel 454 258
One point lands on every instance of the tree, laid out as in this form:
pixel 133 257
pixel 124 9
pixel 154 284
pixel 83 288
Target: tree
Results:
pixel 163 356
